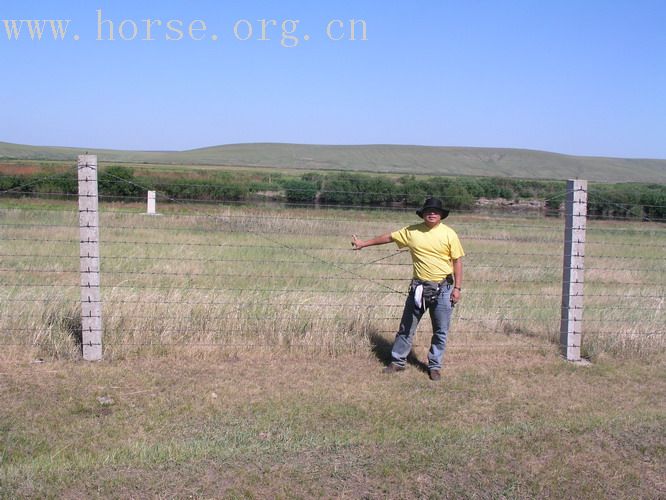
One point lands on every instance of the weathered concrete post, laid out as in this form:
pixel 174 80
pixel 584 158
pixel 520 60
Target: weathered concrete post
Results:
pixel 571 326
pixel 91 304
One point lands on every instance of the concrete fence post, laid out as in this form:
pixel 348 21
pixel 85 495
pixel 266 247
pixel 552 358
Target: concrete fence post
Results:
pixel 91 304
pixel 571 326
pixel 151 203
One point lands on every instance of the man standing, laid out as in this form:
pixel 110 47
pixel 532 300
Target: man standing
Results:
pixel 436 284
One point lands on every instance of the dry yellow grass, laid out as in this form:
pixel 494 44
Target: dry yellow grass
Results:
pixel 269 278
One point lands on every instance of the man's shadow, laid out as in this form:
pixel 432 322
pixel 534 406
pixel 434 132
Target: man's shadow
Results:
pixel 381 348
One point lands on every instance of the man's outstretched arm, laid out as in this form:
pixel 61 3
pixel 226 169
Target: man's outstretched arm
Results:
pixel 379 240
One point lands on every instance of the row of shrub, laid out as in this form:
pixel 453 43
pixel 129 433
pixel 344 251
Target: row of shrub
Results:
pixel 122 183
pixel 457 192
pixel 647 201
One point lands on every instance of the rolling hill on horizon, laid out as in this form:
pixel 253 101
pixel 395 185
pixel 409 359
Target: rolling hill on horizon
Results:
pixel 395 159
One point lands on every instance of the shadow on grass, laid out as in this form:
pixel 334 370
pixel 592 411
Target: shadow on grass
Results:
pixel 510 329
pixel 381 348
pixel 66 337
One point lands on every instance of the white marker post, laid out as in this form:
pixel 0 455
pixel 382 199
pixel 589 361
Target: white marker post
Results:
pixel 571 326
pixel 91 305
pixel 151 203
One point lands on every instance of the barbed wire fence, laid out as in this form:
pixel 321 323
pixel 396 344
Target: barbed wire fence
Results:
pixel 270 276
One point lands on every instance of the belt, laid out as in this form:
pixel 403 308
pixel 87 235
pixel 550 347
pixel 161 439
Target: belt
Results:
pixel 447 280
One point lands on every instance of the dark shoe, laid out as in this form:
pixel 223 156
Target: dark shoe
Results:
pixel 434 375
pixel 393 368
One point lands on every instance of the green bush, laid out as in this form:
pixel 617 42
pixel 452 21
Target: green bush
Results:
pixel 646 201
pixel 357 189
pixel 119 181
pixel 300 191
pixel 198 190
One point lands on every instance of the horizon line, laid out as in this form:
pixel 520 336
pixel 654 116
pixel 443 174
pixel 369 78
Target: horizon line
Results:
pixel 378 145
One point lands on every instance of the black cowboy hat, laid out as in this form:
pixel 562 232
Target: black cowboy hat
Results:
pixel 433 204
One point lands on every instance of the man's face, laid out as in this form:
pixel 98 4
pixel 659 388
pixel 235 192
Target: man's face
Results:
pixel 432 217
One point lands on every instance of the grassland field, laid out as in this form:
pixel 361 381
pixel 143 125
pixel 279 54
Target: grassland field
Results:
pixel 243 351
pixel 388 159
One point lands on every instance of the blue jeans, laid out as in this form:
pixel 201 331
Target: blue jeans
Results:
pixel 440 316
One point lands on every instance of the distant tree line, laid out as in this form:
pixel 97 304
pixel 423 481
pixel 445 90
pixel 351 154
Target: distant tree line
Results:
pixel 647 201
pixel 457 192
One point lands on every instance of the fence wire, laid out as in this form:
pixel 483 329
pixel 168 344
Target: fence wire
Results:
pixel 242 276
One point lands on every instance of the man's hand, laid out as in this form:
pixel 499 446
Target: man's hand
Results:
pixel 455 296
pixel 356 243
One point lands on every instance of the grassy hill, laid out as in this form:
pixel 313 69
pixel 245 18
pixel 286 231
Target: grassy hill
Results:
pixel 398 159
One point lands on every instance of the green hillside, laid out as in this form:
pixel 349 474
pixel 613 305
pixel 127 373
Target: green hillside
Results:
pixel 501 162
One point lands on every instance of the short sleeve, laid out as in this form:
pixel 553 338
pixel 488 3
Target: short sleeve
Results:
pixel 455 246
pixel 401 237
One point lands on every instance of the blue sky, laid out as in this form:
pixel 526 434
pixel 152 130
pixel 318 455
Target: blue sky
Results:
pixel 583 77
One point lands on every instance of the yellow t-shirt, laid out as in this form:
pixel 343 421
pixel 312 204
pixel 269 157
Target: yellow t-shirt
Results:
pixel 433 250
